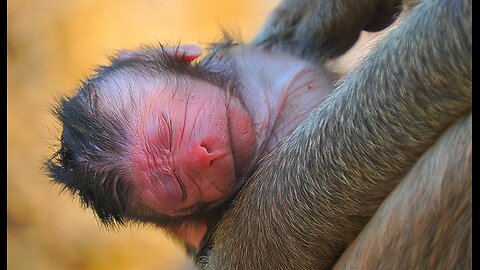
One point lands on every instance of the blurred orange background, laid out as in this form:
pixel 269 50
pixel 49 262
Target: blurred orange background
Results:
pixel 51 46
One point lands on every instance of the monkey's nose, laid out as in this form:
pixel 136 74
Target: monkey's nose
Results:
pixel 203 155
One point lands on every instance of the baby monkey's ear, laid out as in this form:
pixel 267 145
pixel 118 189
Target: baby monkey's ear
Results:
pixel 186 53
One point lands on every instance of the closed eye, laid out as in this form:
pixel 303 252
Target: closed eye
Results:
pixel 168 122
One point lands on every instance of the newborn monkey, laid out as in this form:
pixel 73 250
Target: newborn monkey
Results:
pixel 156 137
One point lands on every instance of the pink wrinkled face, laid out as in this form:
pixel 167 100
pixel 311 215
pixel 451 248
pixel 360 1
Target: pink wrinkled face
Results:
pixel 185 147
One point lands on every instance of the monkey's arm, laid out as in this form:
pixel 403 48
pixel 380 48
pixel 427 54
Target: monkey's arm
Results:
pixel 426 222
pixel 321 29
pixel 314 193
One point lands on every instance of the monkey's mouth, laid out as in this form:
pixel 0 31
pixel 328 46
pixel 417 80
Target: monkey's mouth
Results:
pixel 206 188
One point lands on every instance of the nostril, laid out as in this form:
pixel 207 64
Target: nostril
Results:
pixel 206 147
pixel 209 151
pixel 205 152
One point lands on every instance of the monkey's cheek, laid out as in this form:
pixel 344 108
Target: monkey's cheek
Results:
pixel 242 137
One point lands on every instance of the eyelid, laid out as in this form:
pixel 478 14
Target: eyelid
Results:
pixel 168 122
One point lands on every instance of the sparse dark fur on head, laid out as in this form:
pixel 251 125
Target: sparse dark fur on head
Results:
pixel 91 160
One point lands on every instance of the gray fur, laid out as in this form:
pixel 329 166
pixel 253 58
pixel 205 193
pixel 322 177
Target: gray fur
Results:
pixel 426 222
pixel 312 195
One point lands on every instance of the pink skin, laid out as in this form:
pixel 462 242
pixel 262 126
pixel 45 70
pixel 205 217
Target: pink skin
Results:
pixel 191 234
pixel 200 152
pixel 204 150
pixel 211 134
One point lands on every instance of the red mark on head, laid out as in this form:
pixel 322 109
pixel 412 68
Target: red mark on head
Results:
pixel 187 53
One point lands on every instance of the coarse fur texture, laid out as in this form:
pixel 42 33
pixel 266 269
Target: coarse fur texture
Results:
pixel 341 163
pixel 436 235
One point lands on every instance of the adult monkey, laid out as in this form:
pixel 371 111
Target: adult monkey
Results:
pixel 344 160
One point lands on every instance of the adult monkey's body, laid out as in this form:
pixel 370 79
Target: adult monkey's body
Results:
pixel 426 222
pixel 343 161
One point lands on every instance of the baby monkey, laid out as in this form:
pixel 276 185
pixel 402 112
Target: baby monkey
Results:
pixel 164 137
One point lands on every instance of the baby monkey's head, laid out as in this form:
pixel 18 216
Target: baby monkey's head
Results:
pixel 154 136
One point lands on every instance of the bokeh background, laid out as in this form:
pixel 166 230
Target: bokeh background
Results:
pixel 51 46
